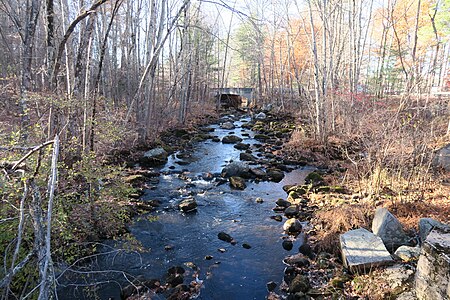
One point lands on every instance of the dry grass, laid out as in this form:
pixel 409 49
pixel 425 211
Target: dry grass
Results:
pixel 338 220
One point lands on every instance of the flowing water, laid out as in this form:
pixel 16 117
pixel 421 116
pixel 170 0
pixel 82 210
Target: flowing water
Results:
pixel 237 273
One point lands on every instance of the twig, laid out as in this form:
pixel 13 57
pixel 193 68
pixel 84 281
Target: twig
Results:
pixel 31 152
pixel 14 271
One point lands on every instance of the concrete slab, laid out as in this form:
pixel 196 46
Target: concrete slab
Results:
pixel 363 250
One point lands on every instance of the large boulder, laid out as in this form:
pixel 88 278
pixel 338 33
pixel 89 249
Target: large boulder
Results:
pixel 442 158
pixel 236 169
pixel 275 175
pixel 154 157
pixel 362 250
pixel 389 229
pixel 227 125
pixel 433 267
pixel 231 139
pixel 428 224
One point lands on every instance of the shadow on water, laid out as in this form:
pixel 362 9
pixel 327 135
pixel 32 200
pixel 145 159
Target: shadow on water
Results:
pixel 237 273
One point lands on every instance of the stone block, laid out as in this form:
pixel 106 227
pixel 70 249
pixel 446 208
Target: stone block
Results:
pixel 389 229
pixel 362 251
pixel 433 268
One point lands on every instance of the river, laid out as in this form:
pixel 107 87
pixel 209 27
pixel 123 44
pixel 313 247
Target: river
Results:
pixel 234 272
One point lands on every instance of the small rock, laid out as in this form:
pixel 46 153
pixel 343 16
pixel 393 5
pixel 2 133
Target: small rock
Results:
pixel 246 246
pixel 287 245
pixel 168 247
pixel 227 125
pixel 258 173
pixel 259 200
pixel 407 253
pixel 222 250
pixel 271 286
pixel 277 218
pixel 298 260
pixel 299 284
pixel 242 146
pixel 225 237
pixel 237 183
pixel 209 257
pixel 314 178
pixel 188 205
pixel 246 157
pixel 291 211
pixel 260 116
pixel 283 203
pixel 275 175
pixel 428 224
pixel 292 226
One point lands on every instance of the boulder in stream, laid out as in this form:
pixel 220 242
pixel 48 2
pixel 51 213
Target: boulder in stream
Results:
pixel 224 237
pixel 275 175
pixel 227 125
pixel 237 183
pixel 236 169
pixel 188 205
pixel 231 139
pixel 292 226
pixel 154 157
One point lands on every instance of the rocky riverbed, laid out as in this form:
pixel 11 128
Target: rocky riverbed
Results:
pixel 226 213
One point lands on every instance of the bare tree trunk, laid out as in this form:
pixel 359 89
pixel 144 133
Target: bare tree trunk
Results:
pixel 33 9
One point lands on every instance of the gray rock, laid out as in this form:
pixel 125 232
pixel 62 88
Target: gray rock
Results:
pixel 261 116
pixel 224 237
pixel 236 169
pixel 242 146
pixel 188 205
pixel 442 158
pixel 433 267
pixel 362 250
pixel 389 229
pixel 298 260
pixel 154 157
pixel 258 173
pixel 246 157
pixel 227 125
pixel 428 224
pixel 398 276
pixel 231 139
pixel 283 203
pixel 407 253
pixel 292 226
pixel 291 211
pixel 299 284
pixel 410 295
pixel 237 183
pixel 287 245
pixel 275 175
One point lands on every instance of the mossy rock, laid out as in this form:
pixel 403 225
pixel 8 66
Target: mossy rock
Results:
pixel 313 177
pixel 339 281
pixel 134 179
pixel 261 137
